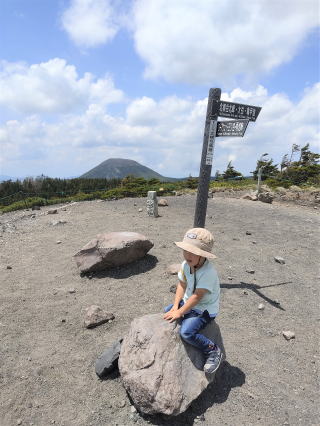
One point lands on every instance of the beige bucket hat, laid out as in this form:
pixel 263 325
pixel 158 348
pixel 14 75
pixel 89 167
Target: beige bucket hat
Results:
pixel 198 241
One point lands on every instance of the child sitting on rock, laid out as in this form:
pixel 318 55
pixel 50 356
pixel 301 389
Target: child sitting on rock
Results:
pixel 197 296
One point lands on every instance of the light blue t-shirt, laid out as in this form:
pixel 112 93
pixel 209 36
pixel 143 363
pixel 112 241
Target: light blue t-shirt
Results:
pixel 207 278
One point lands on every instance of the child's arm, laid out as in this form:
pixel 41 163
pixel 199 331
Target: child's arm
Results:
pixel 181 288
pixel 193 300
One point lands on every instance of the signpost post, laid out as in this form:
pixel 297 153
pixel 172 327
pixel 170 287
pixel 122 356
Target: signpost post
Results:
pixel 212 129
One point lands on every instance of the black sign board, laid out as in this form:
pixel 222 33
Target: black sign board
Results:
pixel 232 110
pixel 232 128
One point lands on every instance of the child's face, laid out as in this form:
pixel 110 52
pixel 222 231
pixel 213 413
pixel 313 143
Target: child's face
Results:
pixel 191 259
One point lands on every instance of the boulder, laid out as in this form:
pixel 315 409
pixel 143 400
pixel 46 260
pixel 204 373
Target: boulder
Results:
pixel 112 249
pixel 294 188
pixel 265 197
pixel 161 373
pixel 281 190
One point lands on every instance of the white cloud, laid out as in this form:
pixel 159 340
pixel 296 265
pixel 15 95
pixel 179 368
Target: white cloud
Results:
pixel 165 135
pixel 52 87
pixel 90 23
pixel 209 41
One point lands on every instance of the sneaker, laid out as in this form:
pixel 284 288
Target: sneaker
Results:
pixel 213 361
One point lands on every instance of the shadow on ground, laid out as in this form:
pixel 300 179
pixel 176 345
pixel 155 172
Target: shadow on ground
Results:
pixel 217 392
pixel 256 289
pixel 140 266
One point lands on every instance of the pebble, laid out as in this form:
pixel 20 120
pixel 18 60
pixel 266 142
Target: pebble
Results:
pixel 63 320
pixel 250 271
pixel 133 409
pixel 230 278
pixel 248 233
pixel 72 290
pixel 261 307
pixel 140 210
pixel 19 422
pixel 288 335
pixel 245 292
pixel 59 242
pixel 9 267
pixel 279 260
pixel 254 242
pixel 236 239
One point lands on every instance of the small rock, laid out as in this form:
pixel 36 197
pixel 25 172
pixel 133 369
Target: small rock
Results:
pixel 63 320
pixel 279 260
pixel 59 242
pixel 250 271
pixel 96 316
pixel 236 239
pixel 230 278
pixel 52 211
pixel 288 335
pixel 245 292
pixel 248 233
pixel 173 288
pixel 72 290
pixel 9 267
pixel 173 269
pixel 261 307
pixel 135 204
pixel 19 422
pixel 58 222
pixel 254 242
pixel 163 202
pixel 140 210
pixel 133 409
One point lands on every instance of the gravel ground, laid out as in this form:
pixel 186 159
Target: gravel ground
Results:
pixel 47 356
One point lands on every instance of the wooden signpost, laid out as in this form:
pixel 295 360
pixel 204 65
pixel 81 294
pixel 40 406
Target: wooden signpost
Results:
pixel 212 129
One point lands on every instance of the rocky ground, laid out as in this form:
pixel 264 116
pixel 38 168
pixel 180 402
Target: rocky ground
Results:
pixel 47 356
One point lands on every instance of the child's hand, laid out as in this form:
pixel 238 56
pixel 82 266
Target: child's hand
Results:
pixel 172 315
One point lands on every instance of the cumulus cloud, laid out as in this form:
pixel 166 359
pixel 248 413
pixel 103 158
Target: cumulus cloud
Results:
pixel 165 135
pixel 209 41
pixel 90 23
pixel 52 87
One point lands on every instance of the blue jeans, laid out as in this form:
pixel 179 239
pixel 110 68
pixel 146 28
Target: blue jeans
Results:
pixel 191 323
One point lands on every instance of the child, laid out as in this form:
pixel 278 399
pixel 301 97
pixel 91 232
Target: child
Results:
pixel 197 296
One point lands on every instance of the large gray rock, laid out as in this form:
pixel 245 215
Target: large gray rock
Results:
pixel 160 372
pixel 112 249
pixel 265 197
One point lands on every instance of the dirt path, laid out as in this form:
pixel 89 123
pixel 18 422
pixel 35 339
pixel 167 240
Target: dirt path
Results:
pixel 47 357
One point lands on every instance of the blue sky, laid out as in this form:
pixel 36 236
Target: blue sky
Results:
pixel 82 81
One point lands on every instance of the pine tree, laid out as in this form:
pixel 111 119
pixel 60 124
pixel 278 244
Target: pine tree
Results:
pixel 230 172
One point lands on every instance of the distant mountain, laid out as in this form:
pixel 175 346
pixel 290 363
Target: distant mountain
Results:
pixel 120 168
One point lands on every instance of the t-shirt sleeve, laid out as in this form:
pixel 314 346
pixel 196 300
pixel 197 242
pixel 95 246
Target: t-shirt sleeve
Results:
pixel 181 274
pixel 209 281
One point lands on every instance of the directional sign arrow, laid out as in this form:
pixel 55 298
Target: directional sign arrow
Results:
pixel 233 110
pixel 232 128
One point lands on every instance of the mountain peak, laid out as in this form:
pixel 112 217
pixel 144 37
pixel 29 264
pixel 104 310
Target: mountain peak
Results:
pixel 120 168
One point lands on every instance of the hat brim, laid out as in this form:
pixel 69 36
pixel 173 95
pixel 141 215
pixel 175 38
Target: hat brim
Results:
pixel 195 250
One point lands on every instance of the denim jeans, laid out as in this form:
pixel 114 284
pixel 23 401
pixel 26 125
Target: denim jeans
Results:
pixel 191 323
